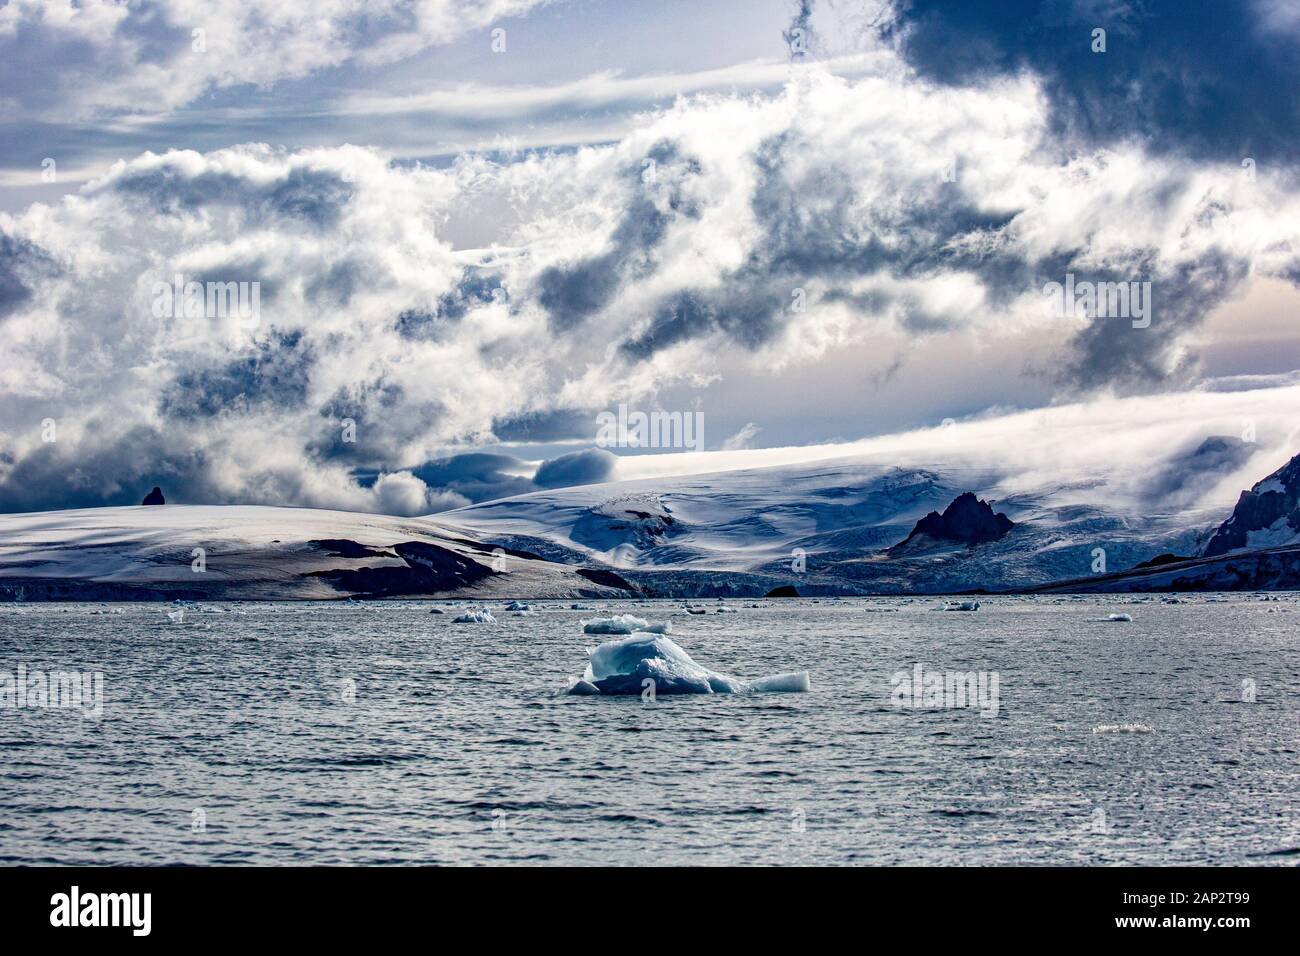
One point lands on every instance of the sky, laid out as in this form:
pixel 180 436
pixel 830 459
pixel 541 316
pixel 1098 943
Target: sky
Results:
pixel 476 226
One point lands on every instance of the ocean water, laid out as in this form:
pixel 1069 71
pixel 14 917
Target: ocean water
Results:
pixel 379 733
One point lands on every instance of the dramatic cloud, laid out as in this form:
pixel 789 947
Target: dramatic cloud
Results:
pixel 589 467
pixel 93 56
pixel 760 231
pixel 1216 79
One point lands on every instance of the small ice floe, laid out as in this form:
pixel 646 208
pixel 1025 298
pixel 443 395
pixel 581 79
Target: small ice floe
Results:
pixel 690 609
pixel 581 607
pixel 1122 729
pixel 961 606
pixel 1114 618
pixel 723 609
pixel 631 665
pixel 177 616
pixel 483 616
pixel 436 610
pixel 517 606
pixel 624 624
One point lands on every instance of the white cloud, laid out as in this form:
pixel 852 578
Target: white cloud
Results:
pixel 610 273
pixel 88 57
pixel 742 438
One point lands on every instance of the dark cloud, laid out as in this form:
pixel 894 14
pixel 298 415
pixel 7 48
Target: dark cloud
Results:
pixel 1109 351
pixel 479 476
pixel 21 262
pixel 91 474
pixel 555 425
pixel 572 292
pixel 588 467
pixel 815 226
pixel 312 196
pixel 1208 78
pixel 475 288
pixel 274 375
pixel 483 476
pixel 800 29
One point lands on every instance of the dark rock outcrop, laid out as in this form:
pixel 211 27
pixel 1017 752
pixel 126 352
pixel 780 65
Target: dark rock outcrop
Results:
pixel 1161 559
pixel 607 579
pixel 343 548
pixel 1275 498
pixel 154 497
pixel 427 569
pixel 785 590
pixel 967 520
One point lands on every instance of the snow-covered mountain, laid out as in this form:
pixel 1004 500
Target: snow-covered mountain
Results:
pixel 1266 516
pixel 257 553
pixel 830 527
pixel 1256 548
pixel 846 526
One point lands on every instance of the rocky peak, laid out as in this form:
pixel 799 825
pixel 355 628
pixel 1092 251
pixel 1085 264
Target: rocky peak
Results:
pixel 1266 515
pixel 967 520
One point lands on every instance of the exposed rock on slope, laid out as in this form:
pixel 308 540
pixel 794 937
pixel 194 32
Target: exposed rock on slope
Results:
pixel 967 520
pixel 1266 516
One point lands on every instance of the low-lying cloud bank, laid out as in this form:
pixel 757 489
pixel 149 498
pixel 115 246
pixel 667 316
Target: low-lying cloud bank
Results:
pixel 767 230
pixel 1149 454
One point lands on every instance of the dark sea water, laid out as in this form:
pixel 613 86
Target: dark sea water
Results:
pixel 381 734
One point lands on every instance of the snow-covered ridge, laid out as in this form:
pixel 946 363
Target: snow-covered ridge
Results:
pixel 261 553
pixel 820 528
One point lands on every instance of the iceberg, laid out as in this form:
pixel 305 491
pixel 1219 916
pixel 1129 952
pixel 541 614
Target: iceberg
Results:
pixel 624 624
pixel 475 617
pixel 623 666
pixel 517 606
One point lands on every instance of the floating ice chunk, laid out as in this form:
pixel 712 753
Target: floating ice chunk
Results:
pixel 697 610
pixel 1119 617
pixel 625 624
pixel 437 610
pixel 618 624
pixel 581 607
pixel 632 664
pixel 797 683
pixel 961 606
pixel 581 686
pixel 517 606
pixel 483 616
pixel 1122 729
pixel 726 610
